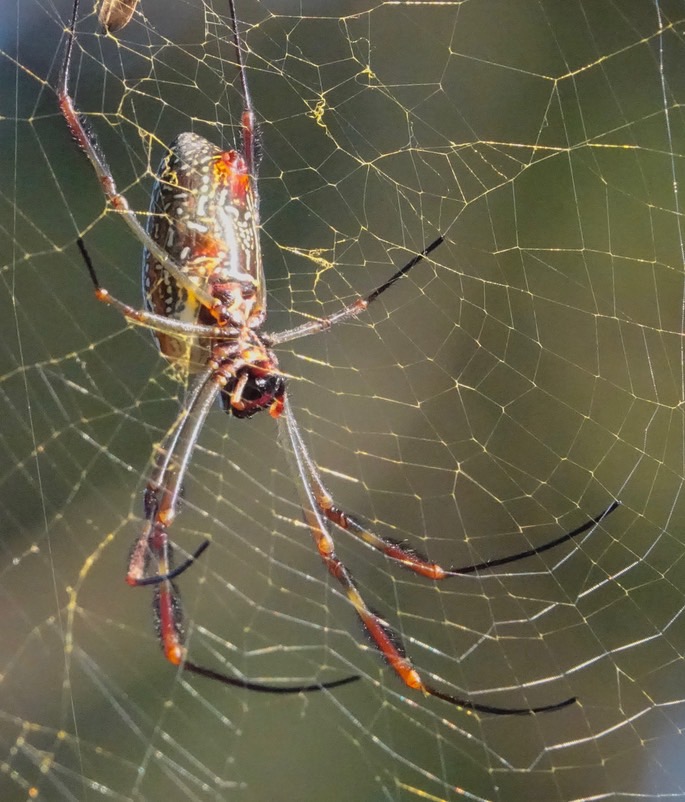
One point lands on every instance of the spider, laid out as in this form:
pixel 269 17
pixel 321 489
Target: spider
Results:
pixel 114 15
pixel 204 295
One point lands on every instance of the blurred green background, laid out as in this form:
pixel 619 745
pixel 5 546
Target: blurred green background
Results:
pixel 499 396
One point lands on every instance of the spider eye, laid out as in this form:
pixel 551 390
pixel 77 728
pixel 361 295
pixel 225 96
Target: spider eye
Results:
pixel 248 290
pixel 258 394
pixel 261 390
pixel 271 385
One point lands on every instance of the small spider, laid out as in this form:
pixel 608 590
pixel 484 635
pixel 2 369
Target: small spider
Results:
pixel 114 15
pixel 204 295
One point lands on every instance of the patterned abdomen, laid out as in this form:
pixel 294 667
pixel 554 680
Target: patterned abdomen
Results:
pixel 203 214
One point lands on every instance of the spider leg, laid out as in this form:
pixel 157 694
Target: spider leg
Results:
pixel 169 618
pixel 161 508
pixel 495 563
pixel 248 118
pixel 385 638
pixel 262 687
pixel 406 556
pixel 150 320
pixel 164 487
pixel 354 309
pixel 164 452
pixel 87 142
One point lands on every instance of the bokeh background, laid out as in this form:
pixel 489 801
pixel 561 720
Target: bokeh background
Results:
pixel 502 394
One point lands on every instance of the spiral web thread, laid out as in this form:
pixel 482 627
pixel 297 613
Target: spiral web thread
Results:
pixel 504 392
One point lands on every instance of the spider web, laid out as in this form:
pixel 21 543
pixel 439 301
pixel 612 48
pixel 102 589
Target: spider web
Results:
pixel 503 393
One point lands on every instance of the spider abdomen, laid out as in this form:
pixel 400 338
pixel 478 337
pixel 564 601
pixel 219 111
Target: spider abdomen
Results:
pixel 203 214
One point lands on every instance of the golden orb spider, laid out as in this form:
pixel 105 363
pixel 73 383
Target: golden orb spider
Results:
pixel 205 304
